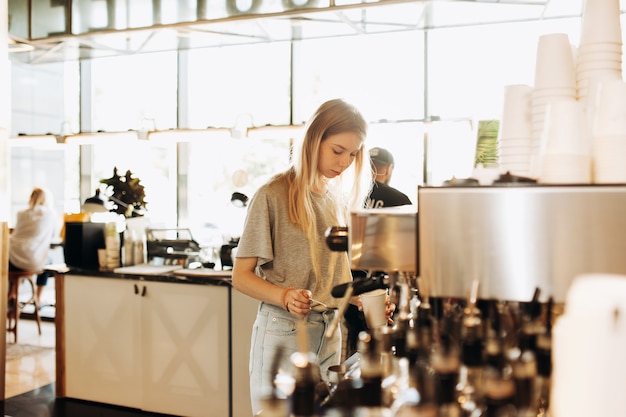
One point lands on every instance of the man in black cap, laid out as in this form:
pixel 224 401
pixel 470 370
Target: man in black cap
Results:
pixel 382 194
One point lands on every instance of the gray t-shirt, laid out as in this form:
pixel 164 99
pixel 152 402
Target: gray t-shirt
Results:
pixel 282 249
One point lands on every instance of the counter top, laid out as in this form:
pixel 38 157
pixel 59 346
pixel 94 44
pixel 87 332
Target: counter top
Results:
pixel 202 276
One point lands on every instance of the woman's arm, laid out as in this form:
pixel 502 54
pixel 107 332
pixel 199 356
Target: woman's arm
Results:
pixel 296 301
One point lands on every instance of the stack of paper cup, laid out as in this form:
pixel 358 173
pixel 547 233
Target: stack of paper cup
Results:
pixel 565 156
pixel 598 71
pixel 599 54
pixel 515 133
pixel 112 245
pixel 609 134
pixel 555 79
pixel 592 67
pixel 589 341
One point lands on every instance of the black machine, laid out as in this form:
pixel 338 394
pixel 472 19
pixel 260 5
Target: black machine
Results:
pixel 172 246
pixel 82 241
pixel 226 253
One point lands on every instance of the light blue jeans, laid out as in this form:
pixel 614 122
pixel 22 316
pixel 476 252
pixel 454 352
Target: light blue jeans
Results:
pixel 275 329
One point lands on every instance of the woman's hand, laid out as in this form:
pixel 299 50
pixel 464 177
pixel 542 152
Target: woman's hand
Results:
pixel 295 300
pixel 298 301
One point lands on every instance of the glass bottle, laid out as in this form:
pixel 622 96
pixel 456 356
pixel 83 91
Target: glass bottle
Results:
pixel 499 392
pixel 424 329
pixel 392 379
pixel 371 371
pixel 302 399
pixel 544 363
pixel 445 361
pixel 128 247
pixel 524 368
pixel 400 390
pixel 497 387
pixel 140 249
pixel 472 362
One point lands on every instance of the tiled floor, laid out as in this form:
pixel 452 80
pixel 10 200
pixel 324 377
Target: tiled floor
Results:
pixel 33 371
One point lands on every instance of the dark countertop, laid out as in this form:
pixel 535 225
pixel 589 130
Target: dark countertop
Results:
pixel 180 276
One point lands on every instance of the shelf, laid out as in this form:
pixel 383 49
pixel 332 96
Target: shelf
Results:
pixel 272 21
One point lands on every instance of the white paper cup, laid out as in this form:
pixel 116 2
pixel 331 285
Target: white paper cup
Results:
pixel 592 56
pixel 516 120
pixel 608 160
pixel 374 307
pixel 549 92
pixel 564 169
pixel 613 65
pixel 565 129
pixel 554 65
pixel 600 22
pixel 593 47
pixel 610 115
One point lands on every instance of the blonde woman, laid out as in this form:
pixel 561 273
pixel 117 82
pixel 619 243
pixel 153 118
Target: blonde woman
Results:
pixel 29 242
pixel 283 260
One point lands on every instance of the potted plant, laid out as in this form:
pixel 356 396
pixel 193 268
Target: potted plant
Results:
pixel 126 193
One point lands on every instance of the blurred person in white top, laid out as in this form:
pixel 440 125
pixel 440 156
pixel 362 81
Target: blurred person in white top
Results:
pixel 29 242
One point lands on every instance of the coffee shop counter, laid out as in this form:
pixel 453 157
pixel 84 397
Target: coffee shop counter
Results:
pixel 172 342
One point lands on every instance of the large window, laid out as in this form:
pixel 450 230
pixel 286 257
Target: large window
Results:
pixel 136 92
pixel 243 86
pixel 154 164
pixel 468 67
pixel 422 91
pixel 44 98
pixel 381 74
pixel 217 166
pixel 41 162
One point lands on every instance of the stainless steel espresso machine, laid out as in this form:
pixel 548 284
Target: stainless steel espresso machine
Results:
pixel 513 239
pixel 491 266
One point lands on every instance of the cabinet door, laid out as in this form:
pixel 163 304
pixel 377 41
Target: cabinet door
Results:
pixel 102 340
pixel 185 352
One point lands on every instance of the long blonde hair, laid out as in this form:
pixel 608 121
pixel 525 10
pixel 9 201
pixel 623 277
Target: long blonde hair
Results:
pixel 38 197
pixel 331 118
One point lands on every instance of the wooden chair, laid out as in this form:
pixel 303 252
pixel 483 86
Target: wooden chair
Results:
pixel 15 305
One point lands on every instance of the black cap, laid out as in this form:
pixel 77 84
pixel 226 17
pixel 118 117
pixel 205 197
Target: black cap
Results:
pixel 381 156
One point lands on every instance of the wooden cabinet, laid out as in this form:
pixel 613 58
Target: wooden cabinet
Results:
pixel 156 346
pixel 102 344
